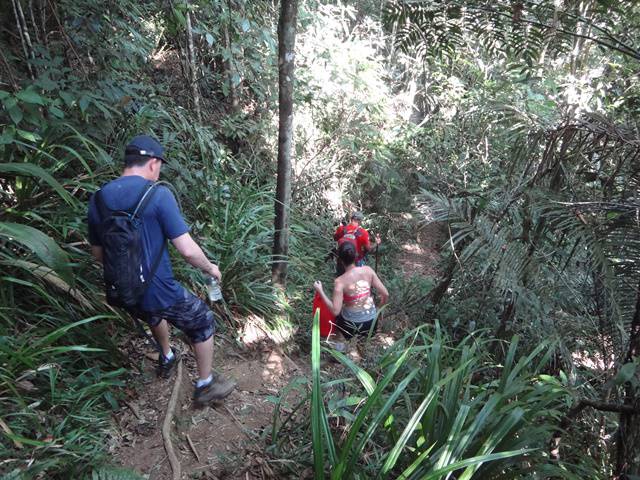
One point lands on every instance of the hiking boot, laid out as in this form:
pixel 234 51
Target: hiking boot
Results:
pixel 166 367
pixel 337 346
pixel 218 389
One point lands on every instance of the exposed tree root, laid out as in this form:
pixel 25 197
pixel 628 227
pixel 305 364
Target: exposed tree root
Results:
pixel 166 426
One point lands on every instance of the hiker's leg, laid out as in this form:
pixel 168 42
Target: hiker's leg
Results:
pixel 161 334
pixel 204 357
pixel 345 328
pixel 193 317
pixel 368 328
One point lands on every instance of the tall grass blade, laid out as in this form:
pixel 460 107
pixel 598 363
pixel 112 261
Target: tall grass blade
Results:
pixel 317 411
pixel 42 245
pixel 31 170
pixel 494 440
pixel 347 451
pixel 454 433
pixel 479 460
pixel 367 381
pixel 411 426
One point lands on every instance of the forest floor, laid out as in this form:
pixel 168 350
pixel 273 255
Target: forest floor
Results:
pixel 227 440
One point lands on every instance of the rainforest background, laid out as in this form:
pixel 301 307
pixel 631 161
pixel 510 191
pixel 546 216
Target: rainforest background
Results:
pixel 511 126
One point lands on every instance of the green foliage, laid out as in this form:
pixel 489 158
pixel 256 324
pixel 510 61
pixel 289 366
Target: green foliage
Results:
pixel 45 248
pixel 435 27
pixel 435 408
pixel 503 120
pixel 59 399
pixel 111 473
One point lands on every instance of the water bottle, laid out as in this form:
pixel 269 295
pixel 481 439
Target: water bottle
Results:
pixel 213 290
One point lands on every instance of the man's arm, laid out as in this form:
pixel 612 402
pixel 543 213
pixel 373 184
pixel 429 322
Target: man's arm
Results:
pixel 194 255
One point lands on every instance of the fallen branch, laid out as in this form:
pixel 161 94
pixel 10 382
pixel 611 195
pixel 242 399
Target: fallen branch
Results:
pixel 134 409
pixel 576 409
pixel 243 429
pixel 193 448
pixel 166 426
pixel 609 407
pixel 8 431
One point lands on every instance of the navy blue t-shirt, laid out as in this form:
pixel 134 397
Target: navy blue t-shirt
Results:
pixel 161 221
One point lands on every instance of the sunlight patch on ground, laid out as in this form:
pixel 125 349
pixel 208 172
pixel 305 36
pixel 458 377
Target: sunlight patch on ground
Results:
pixel 592 360
pixel 274 365
pixel 386 340
pixel 255 330
pixel 412 248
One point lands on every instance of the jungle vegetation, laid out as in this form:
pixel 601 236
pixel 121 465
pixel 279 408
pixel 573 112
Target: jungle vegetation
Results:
pixel 511 124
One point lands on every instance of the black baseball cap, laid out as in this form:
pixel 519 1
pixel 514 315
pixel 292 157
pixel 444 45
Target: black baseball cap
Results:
pixel 143 146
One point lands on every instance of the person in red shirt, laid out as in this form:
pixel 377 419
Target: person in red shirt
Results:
pixel 358 236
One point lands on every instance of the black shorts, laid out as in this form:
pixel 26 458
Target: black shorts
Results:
pixel 191 315
pixel 349 329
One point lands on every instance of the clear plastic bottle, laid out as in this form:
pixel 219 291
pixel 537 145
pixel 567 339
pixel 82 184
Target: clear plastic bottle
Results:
pixel 213 290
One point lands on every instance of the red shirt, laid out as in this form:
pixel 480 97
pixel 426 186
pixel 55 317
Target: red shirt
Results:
pixel 361 238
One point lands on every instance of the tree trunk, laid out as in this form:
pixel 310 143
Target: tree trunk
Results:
pixel 193 76
pixel 286 49
pixel 229 62
pixel 628 441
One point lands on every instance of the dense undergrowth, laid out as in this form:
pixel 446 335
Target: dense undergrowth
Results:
pixel 522 147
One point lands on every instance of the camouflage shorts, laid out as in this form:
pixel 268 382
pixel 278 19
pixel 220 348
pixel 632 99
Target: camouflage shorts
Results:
pixel 191 316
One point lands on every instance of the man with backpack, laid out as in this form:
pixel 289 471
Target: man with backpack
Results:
pixel 358 236
pixel 130 220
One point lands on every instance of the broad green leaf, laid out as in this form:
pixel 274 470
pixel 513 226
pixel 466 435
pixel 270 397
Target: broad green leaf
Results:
pixel 60 332
pixel 56 112
pixel 31 170
pixel 43 246
pixel 83 103
pixel 30 136
pixel 626 373
pixel 15 113
pixel 348 455
pixel 473 461
pixel 30 96
pixel 180 17
pixel 8 135
pixel 68 98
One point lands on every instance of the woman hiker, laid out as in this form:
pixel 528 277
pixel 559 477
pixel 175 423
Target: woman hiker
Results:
pixel 352 304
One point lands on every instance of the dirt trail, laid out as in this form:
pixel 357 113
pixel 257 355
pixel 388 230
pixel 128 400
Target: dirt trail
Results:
pixel 223 441
pixel 226 441
pixel 420 256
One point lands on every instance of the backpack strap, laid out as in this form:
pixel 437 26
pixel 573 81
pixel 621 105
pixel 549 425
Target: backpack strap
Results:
pixel 142 203
pixel 144 199
pixel 154 267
